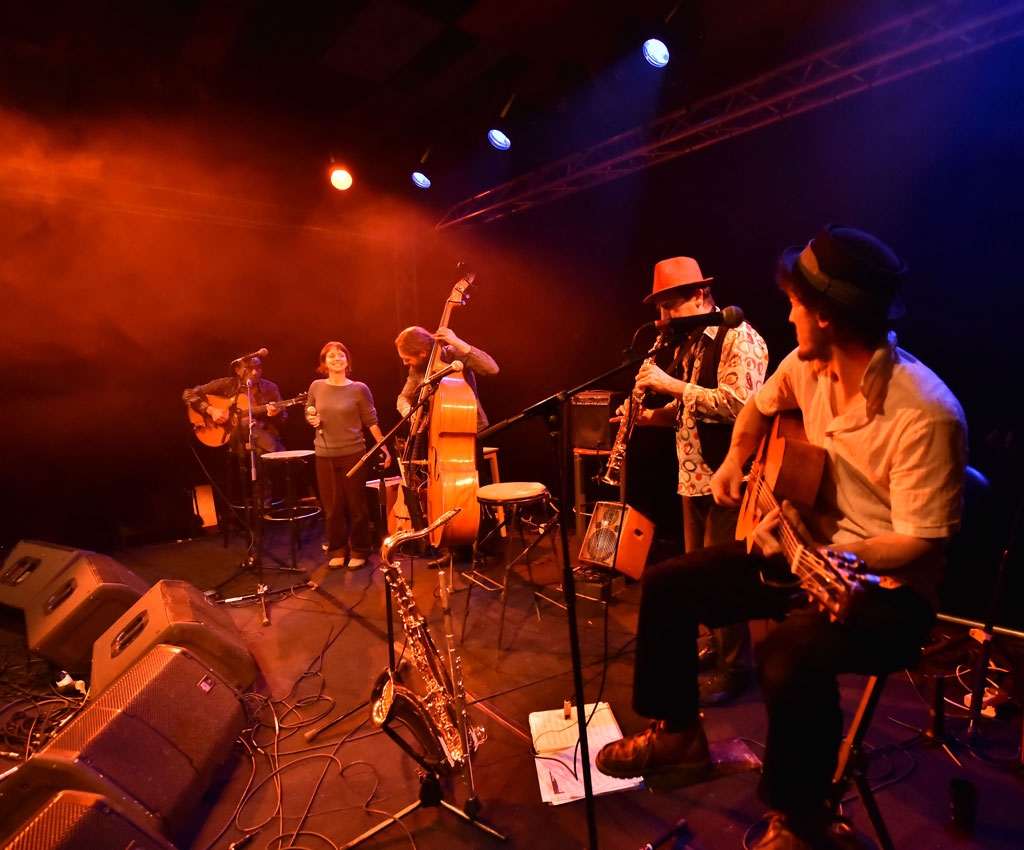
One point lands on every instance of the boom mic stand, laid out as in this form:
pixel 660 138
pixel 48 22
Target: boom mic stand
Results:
pixel 551 409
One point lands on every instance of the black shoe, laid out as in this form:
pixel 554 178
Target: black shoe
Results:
pixel 723 686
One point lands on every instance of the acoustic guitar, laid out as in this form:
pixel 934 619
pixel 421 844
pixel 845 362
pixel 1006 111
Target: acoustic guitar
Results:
pixel 788 467
pixel 211 433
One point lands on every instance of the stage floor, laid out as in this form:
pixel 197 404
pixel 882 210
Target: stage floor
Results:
pixel 323 774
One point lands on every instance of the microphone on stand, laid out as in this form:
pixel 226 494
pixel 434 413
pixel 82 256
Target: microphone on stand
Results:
pixel 451 368
pixel 731 317
pixel 260 353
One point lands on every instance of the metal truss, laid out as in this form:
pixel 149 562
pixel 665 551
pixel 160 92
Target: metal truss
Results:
pixel 898 49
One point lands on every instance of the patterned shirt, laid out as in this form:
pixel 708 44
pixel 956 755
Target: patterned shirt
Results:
pixel 741 372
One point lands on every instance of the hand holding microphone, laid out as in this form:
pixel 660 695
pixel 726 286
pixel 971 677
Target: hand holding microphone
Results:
pixel 313 418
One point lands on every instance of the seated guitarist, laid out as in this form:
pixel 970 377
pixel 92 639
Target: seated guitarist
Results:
pixel 222 400
pixel 893 438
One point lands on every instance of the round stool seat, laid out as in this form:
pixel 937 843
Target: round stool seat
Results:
pixel 289 455
pixel 511 491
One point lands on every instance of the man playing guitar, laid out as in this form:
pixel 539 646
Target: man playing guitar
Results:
pixel 220 405
pixel 891 439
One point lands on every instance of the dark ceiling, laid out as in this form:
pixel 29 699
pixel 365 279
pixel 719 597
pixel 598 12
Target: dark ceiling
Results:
pixel 382 82
pixel 163 206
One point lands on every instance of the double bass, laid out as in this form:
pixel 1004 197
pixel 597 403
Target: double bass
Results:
pixel 442 447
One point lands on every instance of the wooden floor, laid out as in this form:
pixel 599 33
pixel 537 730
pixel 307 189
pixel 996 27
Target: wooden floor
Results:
pixel 314 772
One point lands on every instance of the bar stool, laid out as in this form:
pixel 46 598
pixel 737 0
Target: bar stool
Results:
pixel 521 505
pixel 295 507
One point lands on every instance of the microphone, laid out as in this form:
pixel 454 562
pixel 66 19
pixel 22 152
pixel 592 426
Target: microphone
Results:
pixel 311 411
pixel 260 353
pixel 730 317
pixel 451 368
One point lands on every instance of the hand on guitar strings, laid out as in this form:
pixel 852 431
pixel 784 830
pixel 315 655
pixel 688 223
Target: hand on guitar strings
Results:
pixel 765 533
pixel 727 483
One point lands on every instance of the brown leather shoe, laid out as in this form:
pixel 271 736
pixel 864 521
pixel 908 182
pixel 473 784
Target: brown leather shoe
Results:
pixel 779 836
pixel 809 831
pixel 656 751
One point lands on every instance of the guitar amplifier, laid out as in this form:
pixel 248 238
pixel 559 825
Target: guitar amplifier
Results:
pixel 590 419
pixel 619 537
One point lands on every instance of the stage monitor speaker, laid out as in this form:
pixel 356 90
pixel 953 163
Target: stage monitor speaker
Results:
pixel 177 613
pixel 77 606
pixel 29 567
pixel 590 419
pixel 151 743
pixel 81 820
pixel 619 537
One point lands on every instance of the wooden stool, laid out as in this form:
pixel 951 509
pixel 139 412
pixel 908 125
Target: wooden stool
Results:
pixel 851 768
pixel 511 499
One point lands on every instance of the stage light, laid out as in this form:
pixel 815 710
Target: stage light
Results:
pixel 655 52
pixel 341 179
pixel 421 179
pixel 499 139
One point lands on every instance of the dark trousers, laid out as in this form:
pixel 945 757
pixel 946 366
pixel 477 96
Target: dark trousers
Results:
pixel 706 523
pixel 346 514
pixel 797 663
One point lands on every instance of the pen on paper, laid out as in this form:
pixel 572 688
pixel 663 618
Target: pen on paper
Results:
pixel 554 782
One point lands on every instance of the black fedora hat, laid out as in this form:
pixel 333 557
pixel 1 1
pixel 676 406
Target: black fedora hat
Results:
pixel 854 269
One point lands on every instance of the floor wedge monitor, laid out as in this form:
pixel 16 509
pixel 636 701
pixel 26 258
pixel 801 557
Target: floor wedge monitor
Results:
pixel 82 820
pixel 29 567
pixel 177 613
pixel 151 744
pixel 76 606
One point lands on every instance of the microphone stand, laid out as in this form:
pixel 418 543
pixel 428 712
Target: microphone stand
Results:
pixel 253 515
pixel 551 409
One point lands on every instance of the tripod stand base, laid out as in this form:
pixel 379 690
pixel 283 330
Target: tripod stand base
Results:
pixel 430 795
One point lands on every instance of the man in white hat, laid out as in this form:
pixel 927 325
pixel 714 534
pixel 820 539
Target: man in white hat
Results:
pixel 714 378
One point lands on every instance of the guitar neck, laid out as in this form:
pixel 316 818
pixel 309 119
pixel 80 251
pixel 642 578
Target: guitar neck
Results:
pixel 825 585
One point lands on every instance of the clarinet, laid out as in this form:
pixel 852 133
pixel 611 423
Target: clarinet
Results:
pixel 613 472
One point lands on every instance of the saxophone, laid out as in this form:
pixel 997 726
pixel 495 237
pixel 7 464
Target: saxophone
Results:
pixel 437 717
pixel 613 472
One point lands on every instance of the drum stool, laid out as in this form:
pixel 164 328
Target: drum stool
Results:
pixel 514 507
pixel 295 507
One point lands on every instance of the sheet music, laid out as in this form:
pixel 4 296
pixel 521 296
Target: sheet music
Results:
pixel 557 756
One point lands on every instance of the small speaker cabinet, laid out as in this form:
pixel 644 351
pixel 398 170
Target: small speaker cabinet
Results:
pixel 618 537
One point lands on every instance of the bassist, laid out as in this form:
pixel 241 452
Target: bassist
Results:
pixel 893 440
pixel 414 346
